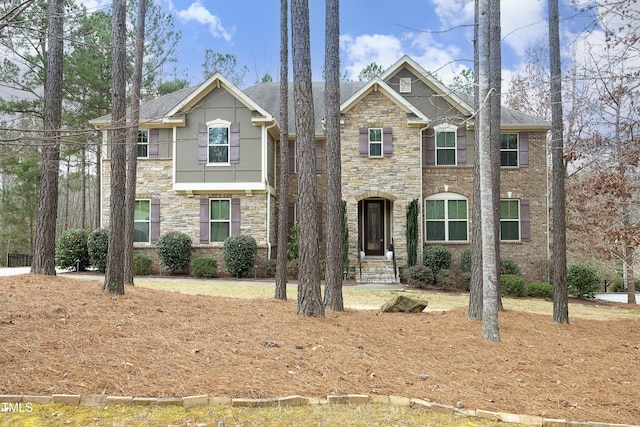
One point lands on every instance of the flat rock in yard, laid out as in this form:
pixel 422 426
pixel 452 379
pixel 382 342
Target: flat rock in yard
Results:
pixel 403 304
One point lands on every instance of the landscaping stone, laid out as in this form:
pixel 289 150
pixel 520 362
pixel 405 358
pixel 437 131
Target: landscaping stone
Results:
pixel 67 399
pixel 403 304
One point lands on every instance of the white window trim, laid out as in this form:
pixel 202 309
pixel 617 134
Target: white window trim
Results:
pixel 219 124
pixel 381 142
pixel 146 133
pixel 405 85
pixel 519 220
pixel 517 149
pixel 148 221
pixel 446 197
pixel 442 128
pixel 217 221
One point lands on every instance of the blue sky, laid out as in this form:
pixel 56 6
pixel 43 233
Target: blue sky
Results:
pixel 436 33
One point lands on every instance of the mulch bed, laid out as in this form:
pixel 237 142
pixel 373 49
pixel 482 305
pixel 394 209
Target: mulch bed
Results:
pixel 65 336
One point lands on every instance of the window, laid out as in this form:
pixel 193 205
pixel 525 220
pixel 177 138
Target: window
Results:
pixel 446 218
pixel 509 220
pixel 142 221
pixel 143 143
pixel 445 145
pixel 509 149
pixel 375 142
pixel 220 219
pixel 218 143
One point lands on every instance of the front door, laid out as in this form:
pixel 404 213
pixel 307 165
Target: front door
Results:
pixel 374 227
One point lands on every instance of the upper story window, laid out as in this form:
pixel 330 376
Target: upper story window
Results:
pixel 509 220
pixel 375 142
pixel 405 84
pixel 143 143
pixel 446 145
pixel 218 141
pixel 446 218
pixel 142 221
pixel 509 149
pixel 220 219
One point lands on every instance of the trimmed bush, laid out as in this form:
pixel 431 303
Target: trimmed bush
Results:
pixel 583 281
pixel 240 254
pixel 142 265
pixel 437 258
pixel 266 268
pixel 508 266
pixel 71 247
pixel 97 247
pixel 205 266
pixel 292 269
pixel 292 243
pixel 419 276
pixel 453 278
pixel 174 251
pixel 512 285
pixel 465 260
pixel 540 290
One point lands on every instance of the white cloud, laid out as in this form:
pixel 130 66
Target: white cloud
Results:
pixel 364 49
pixel 438 58
pixel 454 12
pixel 523 24
pixel 197 12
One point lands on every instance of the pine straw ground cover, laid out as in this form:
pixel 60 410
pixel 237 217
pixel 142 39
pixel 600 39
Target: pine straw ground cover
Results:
pixel 65 336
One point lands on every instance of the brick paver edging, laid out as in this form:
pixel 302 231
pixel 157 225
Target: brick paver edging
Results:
pixel 8 400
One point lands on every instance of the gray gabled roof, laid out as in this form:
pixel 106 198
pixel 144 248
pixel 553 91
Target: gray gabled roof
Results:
pixel 268 96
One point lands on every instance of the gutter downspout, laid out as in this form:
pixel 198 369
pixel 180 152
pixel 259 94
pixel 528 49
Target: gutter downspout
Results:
pixel 265 165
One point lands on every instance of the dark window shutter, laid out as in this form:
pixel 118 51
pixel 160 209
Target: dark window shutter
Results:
pixel 363 139
pixel 234 143
pixel 203 145
pixel 204 220
pixel 429 147
pixel 155 220
pixel 387 142
pixel 462 146
pixel 525 220
pixel 291 219
pixel 153 143
pixel 235 216
pixel 318 156
pixel 524 149
pixel 319 209
pixel 292 156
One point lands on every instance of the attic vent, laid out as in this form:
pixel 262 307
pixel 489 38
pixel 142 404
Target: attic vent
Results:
pixel 405 85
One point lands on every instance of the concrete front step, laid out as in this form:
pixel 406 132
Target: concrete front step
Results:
pixel 376 270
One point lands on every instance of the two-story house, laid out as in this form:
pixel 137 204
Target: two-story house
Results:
pixel 208 159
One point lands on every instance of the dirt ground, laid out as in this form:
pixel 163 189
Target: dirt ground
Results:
pixel 62 335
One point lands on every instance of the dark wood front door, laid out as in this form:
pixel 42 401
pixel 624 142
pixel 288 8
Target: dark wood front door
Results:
pixel 374 227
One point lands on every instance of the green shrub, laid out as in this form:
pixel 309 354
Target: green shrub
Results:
pixel 174 251
pixel 205 266
pixel 583 281
pixel 453 278
pixel 437 258
pixel 292 243
pixel 71 247
pixel 292 269
pixel 465 260
pixel 512 285
pixel 266 268
pixel 419 276
pixel 97 247
pixel 540 290
pixel 618 286
pixel 142 265
pixel 240 254
pixel 508 266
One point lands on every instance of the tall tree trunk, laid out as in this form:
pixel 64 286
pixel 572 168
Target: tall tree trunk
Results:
pixel 333 283
pixel 628 276
pixel 132 146
pixel 560 293
pixel 114 277
pixel 98 190
pixel 309 293
pixel 490 328
pixel 83 196
pixel 283 185
pixel 44 253
pixel 474 310
pixel 495 84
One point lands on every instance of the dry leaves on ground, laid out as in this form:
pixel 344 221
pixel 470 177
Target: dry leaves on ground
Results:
pixel 62 335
